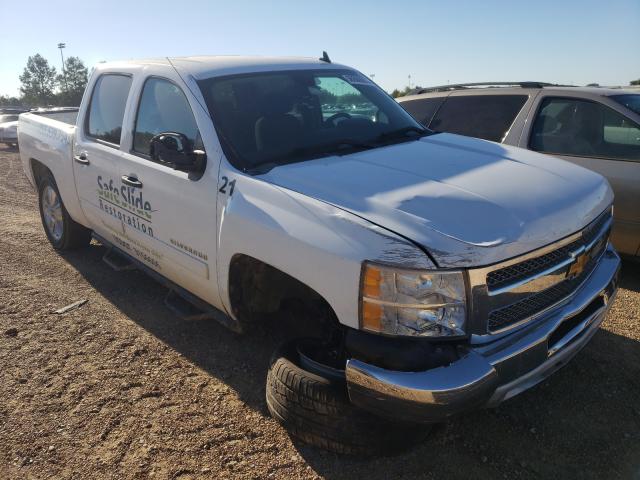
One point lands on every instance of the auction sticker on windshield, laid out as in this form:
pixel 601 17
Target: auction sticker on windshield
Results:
pixel 356 79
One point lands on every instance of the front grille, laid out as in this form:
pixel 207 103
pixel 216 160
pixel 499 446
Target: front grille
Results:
pixel 541 301
pixel 514 273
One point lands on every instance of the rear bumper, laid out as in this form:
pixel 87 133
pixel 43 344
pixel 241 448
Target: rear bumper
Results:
pixel 490 373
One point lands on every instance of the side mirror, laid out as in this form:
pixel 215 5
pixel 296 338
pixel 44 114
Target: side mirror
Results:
pixel 175 150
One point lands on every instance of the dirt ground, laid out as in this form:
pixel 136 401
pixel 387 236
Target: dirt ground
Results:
pixel 120 388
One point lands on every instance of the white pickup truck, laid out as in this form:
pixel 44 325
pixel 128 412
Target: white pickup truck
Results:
pixel 433 273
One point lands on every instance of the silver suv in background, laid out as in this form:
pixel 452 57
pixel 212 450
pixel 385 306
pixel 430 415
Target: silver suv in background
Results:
pixel 9 129
pixel 598 128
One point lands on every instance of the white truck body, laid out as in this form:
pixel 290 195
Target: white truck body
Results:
pixel 438 202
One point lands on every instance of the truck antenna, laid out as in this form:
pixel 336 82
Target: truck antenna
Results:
pixel 325 58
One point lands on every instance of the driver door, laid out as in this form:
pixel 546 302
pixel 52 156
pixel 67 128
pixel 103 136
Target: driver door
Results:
pixel 171 219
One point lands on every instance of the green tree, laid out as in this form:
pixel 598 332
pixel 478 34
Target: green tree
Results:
pixel 401 93
pixel 72 83
pixel 7 101
pixel 635 82
pixel 38 81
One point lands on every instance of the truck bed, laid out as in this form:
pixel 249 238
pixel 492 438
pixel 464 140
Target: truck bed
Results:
pixel 67 116
pixel 47 138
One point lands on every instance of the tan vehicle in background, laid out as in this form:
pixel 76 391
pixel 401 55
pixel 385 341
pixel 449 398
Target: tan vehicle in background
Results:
pixel 598 128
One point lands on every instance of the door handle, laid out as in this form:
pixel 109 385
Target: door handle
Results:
pixel 131 181
pixel 82 158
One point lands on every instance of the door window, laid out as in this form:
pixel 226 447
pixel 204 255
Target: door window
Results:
pixel 163 108
pixel 482 116
pixel 106 110
pixel 583 128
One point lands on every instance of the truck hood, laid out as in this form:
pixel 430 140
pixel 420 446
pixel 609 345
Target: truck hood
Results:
pixel 468 202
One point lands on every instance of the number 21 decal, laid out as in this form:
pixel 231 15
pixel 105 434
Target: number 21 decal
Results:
pixel 226 183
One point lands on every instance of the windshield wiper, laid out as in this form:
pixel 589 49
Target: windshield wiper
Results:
pixel 402 133
pixel 339 147
pixel 335 146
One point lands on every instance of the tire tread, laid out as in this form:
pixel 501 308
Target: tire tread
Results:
pixel 317 411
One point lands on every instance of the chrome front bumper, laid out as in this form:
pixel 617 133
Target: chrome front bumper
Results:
pixel 490 373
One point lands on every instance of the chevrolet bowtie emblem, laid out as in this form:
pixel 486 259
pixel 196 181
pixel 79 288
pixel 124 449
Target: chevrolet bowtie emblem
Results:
pixel 578 265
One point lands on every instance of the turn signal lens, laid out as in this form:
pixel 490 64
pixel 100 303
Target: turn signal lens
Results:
pixel 371 282
pixel 371 317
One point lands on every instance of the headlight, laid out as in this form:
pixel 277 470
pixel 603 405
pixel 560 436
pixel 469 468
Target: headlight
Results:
pixel 419 303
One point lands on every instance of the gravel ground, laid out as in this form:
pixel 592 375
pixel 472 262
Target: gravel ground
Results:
pixel 119 388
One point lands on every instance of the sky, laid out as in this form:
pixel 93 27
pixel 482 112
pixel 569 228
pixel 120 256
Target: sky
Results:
pixel 559 41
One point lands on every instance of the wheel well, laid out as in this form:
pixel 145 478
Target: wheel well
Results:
pixel 259 291
pixel 39 171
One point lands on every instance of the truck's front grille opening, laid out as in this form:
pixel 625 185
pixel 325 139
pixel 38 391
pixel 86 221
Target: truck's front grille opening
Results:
pixel 514 273
pixel 543 300
pixel 565 327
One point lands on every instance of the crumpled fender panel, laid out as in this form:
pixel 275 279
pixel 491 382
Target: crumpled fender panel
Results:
pixel 316 243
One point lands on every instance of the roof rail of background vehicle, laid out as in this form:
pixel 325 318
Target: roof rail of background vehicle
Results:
pixel 604 91
pixel 462 86
pixel 206 66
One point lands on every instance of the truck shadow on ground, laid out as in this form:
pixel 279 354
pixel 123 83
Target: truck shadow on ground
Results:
pixel 631 275
pixel 589 407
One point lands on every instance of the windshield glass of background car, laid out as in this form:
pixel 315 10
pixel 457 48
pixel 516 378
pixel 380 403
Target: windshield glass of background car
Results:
pixel 282 117
pixel 483 116
pixel 632 102
pixel 423 108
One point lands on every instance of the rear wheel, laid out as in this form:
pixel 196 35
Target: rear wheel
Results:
pixel 316 410
pixel 62 231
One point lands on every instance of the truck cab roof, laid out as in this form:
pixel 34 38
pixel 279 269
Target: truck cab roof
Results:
pixel 207 66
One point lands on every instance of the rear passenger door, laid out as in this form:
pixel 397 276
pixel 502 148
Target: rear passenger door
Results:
pixel 599 138
pixel 97 152
pixel 171 220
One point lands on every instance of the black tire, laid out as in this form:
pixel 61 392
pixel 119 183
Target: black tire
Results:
pixel 73 235
pixel 317 411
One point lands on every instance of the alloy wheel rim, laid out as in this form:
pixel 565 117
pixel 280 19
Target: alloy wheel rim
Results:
pixel 52 212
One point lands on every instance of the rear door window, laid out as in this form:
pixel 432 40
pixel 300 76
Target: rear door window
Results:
pixel 583 128
pixel 106 110
pixel 422 109
pixel 163 108
pixel 483 116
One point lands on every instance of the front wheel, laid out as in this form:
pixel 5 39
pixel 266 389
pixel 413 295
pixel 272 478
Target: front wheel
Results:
pixel 62 231
pixel 316 410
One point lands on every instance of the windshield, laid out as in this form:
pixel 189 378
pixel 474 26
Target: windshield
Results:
pixel 269 119
pixel 8 118
pixel 632 102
